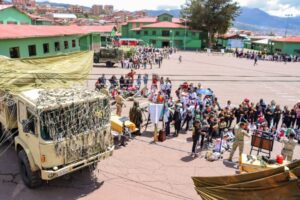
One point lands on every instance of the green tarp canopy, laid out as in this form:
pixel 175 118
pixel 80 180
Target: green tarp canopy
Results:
pixel 45 72
pixel 275 184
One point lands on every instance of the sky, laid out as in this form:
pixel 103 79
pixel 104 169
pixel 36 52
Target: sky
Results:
pixel 273 7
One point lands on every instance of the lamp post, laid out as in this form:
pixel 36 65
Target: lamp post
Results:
pixel 287 24
pixel 184 43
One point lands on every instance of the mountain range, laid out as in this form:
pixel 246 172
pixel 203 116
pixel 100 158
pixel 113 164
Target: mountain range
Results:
pixel 254 19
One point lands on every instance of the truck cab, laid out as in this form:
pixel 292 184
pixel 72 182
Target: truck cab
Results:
pixel 58 131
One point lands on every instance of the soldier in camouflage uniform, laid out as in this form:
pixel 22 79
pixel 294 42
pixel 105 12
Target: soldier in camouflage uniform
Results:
pixel 135 116
pixel 289 146
pixel 240 131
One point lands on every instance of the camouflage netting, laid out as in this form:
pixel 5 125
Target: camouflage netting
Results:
pixel 85 123
pixel 47 72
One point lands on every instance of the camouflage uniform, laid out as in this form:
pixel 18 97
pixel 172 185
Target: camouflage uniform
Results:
pixel 135 116
pixel 239 141
pixel 288 149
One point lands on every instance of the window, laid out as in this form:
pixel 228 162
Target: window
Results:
pixel 74 43
pixel 31 122
pixel 153 42
pixel 57 46
pixel 14 52
pixel 153 32
pixel 32 50
pixel 165 19
pixel 11 22
pixel 165 33
pixel 177 33
pixel 66 44
pixel 138 32
pixel 145 32
pixel 46 48
pixel 297 51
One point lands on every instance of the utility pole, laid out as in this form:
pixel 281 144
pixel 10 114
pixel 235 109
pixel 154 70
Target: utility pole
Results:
pixel 184 43
pixel 287 24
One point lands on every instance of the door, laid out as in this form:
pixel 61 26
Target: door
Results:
pixel 165 44
pixel 29 131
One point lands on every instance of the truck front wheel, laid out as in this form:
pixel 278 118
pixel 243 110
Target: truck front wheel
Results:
pixel 30 178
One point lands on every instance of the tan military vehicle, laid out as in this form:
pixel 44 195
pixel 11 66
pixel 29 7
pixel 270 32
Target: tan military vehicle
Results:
pixel 56 131
pixel 109 56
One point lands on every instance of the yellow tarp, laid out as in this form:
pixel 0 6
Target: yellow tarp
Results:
pixel 46 72
pixel 273 184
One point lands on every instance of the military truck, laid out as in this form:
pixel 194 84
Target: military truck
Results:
pixel 109 56
pixel 56 131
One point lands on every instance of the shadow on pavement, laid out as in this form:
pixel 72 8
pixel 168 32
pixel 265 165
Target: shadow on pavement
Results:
pixel 188 158
pixel 229 164
pixel 73 186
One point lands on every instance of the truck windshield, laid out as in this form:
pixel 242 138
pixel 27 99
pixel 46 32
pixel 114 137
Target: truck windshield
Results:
pixel 74 119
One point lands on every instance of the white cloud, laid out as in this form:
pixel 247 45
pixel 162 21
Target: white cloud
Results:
pixel 275 7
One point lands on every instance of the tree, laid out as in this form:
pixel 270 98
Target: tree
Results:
pixel 212 16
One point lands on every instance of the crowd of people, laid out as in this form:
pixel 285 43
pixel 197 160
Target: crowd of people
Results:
pixel 145 57
pixel 266 57
pixel 198 109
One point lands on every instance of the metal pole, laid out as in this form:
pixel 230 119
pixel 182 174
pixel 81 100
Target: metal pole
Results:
pixel 173 39
pixel 184 35
pixel 287 24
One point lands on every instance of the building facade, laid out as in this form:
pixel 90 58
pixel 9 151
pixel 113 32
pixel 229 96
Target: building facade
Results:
pixel 11 15
pixel 289 46
pixel 97 9
pixel 164 31
pixel 76 9
pixel 22 41
pixel 108 9
pixel 24 3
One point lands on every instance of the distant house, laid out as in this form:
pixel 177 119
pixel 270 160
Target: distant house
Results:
pixel 63 16
pixel 21 41
pixel 9 14
pixel 164 31
pixel 289 45
pixel 231 40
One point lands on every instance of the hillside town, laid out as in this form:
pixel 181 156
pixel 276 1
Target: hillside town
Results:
pixel 101 102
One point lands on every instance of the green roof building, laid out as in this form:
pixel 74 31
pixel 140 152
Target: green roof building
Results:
pixel 164 31
pixel 9 14
pixel 289 46
pixel 22 41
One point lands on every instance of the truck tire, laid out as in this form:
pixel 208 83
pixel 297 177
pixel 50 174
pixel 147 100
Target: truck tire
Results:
pixel 108 64
pixel 30 178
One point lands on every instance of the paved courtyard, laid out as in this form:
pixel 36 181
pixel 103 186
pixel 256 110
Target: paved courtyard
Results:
pixel 146 171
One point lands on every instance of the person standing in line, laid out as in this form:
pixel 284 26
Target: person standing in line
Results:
pixel 196 136
pixel 145 79
pixel 177 118
pixel 135 115
pixel 289 146
pixel 119 103
pixel 298 117
pixel 241 130
pixel 277 116
pixel 255 59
